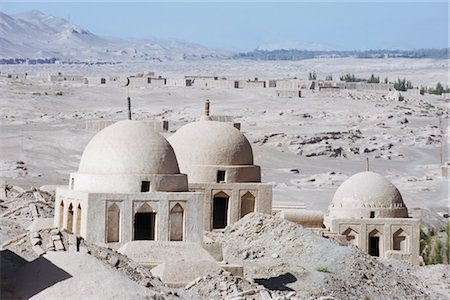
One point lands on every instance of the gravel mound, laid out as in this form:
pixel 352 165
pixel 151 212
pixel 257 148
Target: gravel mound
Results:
pixel 224 285
pixel 283 256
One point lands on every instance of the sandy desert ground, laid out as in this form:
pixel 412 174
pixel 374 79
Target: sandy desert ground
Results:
pixel 306 147
pixel 43 136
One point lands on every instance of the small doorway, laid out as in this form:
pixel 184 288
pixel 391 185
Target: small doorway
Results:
pixel 144 226
pixel 374 246
pixel 374 243
pixel 220 210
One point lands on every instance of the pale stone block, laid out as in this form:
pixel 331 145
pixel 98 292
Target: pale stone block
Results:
pixel 59 245
pixel 113 261
pixel 73 248
pixel 38 250
pixel 56 237
pixel 35 241
pixel 103 254
pixel 73 240
pixel 54 231
pixel 34 235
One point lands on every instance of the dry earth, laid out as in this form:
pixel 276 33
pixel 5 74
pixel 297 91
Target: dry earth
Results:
pixel 306 148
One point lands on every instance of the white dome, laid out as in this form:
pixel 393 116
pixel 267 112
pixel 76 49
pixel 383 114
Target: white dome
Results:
pixel 211 143
pixel 364 193
pixel 128 147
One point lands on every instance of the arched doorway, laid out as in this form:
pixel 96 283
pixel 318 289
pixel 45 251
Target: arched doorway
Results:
pixel 375 243
pixel 176 223
pixel 145 223
pixel 247 204
pixel 69 226
pixel 113 224
pixel 78 227
pixel 220 210
pixel 400 241
pixel 352 236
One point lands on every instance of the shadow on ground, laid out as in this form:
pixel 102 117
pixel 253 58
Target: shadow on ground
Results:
pixel 21 279
pixel 277 283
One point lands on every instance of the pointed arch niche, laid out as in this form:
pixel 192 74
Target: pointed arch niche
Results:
pixel 113 223
pixel 177 223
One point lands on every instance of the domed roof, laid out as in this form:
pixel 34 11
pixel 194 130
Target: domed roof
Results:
pixel 211 143
pixel 367 191
pixel 128 147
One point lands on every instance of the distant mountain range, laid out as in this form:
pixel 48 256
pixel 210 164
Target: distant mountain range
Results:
pixel 35 36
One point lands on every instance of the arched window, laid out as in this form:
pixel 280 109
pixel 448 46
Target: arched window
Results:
pixel 177 223
pixel 113 224
pixel 247 204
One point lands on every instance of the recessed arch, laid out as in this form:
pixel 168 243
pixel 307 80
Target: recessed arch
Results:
pixel 78 221
pixel 176 223
pixel 145 208
pixel 351 236
pixel 400 240
pixel 247 204
pixel 69 226
pixel 61 214
pixel 113 224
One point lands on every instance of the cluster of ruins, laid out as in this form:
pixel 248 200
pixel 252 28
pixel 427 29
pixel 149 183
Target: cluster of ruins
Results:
pixel 284 87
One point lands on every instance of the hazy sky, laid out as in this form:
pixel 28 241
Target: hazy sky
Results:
pixel 245 26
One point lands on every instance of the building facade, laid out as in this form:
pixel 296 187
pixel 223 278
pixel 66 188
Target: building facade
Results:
pixel 129 187
pixel 218 160
pixel 369 211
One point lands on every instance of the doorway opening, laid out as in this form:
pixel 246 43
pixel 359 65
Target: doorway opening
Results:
pixel 144 226
pixel 374 243
pixel 220 210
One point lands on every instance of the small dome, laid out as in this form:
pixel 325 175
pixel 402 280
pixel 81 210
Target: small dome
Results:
pixel 364 193
pixel 128 147
pixel 211 143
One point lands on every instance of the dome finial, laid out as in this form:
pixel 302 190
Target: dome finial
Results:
pixel 206 115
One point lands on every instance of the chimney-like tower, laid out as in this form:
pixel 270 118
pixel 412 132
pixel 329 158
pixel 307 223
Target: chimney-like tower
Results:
pixel 206 115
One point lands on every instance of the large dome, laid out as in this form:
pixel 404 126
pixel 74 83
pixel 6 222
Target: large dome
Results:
pixel 211 143
pixel 367 195
pixel 128 147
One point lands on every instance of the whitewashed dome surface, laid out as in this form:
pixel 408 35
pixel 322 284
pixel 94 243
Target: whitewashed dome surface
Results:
pixel 128 148
pixel 211 143
pixel 365 192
